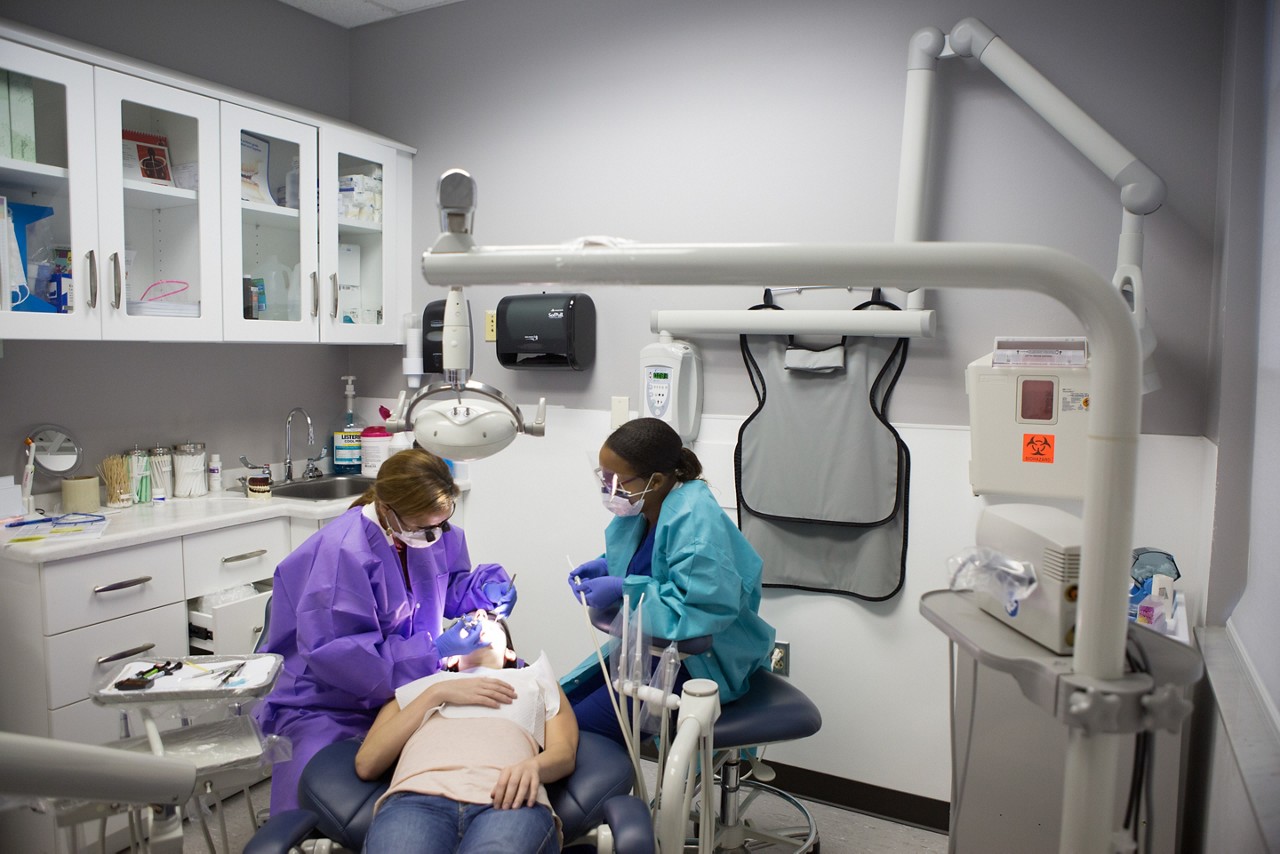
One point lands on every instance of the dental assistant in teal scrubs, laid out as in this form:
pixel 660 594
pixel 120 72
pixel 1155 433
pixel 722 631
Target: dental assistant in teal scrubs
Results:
pixel 672 542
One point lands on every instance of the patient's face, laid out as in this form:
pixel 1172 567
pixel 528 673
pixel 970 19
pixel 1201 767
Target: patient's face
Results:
pixel 491 656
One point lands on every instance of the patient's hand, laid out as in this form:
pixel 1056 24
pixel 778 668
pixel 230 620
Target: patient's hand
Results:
pixel 517 785
pixel 473 691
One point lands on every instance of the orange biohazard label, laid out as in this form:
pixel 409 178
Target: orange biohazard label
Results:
pixel 1037 447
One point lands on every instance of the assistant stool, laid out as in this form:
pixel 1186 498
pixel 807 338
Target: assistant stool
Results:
pixel 773 710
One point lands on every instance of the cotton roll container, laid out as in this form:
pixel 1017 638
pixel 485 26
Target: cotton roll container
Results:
pixel 80 494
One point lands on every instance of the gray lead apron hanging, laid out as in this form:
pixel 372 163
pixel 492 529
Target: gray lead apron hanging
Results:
pixel 822 476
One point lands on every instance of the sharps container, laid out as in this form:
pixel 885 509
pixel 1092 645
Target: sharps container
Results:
pixel 190 474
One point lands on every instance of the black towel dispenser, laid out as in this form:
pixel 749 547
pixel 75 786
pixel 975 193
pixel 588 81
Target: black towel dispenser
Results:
pixel 546 332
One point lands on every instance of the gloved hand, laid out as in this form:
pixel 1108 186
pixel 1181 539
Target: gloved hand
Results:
pixel 591 569
pixel 598 592
pixel 461 638
pixel 503 596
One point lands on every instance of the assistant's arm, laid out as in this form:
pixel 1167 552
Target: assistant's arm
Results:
pixel 699 594
pixel 518 784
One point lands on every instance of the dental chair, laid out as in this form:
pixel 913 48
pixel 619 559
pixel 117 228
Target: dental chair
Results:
pixel 339 805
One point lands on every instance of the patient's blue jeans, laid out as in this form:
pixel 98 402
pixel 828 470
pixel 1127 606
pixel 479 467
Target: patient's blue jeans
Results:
pixel 427 824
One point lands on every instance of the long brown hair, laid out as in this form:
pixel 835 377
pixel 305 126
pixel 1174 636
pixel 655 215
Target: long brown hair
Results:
pixel 412 482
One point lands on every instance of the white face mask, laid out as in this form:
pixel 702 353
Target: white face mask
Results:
pixel 423 538
pixel 619 503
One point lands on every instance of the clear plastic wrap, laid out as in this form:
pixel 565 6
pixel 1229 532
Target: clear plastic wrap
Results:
pixel 190 679
pixel 985 569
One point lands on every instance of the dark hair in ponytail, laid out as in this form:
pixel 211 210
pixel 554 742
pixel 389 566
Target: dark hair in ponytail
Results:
pixel 651 445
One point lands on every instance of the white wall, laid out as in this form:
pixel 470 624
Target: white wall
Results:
pixel 877 671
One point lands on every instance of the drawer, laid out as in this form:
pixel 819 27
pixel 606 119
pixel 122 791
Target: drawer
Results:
pixel 95 588
pixel 234 627
pixel 71 658
pixel 228 557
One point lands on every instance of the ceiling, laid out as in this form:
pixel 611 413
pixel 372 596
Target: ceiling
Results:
pixel 356 13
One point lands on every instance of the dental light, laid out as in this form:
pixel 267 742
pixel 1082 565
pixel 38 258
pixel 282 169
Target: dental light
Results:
pixel 460 418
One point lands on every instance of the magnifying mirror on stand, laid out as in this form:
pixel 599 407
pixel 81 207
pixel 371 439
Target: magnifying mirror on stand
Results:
pixel 57 453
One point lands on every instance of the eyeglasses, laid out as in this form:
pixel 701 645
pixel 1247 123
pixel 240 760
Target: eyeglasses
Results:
pixel 611 482
pixel 62 521
pixel 430 533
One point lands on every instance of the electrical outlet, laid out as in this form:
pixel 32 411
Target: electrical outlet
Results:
pixel 491 325
pixel 780 660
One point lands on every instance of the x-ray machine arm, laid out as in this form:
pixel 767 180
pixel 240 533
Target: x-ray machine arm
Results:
pixel 1141 190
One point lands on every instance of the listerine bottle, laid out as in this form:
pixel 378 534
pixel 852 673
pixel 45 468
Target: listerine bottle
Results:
pixel 346 438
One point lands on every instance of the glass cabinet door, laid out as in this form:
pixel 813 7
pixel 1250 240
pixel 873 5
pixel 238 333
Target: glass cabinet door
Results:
pixel 357 177
pixel 48 242
pixel 158 223
pixel 269 231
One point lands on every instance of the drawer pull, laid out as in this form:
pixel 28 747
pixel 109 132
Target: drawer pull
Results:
pixel 122 585
pixel 246 556
pixel 128 653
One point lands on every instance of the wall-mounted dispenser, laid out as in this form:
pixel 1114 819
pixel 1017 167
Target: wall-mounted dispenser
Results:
pixel 547 332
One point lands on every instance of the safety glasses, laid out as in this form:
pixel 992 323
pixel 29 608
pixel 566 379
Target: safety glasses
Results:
pixel 430 533
pixel 612 483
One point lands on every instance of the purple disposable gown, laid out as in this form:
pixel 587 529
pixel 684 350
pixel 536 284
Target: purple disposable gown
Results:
pixel 351 632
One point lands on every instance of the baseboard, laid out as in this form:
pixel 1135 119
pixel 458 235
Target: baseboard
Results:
pixel 865 798
pixel 878 801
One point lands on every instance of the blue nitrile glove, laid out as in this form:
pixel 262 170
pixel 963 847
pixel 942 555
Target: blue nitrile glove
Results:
pixel 503 596
pixel 591 569
pixel 599 592
pixel 461 638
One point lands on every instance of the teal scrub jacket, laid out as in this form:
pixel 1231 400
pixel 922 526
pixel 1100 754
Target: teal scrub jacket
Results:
pixel 705 581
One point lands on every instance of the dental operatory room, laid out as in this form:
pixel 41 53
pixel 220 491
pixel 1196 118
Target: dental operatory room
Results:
pixel 639 425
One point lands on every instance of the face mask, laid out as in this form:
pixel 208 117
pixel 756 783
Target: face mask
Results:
pixel 423 538
pixel 619 503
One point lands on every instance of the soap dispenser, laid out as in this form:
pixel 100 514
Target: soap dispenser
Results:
pixel 346 438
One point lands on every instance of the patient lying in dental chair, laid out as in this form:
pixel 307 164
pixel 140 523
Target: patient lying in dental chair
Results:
pixel 475 749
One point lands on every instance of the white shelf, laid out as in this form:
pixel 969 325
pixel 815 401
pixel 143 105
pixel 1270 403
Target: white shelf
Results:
pixel 141 194
pixel 35 176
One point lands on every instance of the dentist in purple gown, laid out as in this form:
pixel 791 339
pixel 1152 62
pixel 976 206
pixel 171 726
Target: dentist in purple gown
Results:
pixel 357 609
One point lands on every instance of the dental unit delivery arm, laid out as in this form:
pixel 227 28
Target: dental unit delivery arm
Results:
pixel 1141 190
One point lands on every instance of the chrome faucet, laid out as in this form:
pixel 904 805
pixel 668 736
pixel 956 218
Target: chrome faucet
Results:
pixel 288 442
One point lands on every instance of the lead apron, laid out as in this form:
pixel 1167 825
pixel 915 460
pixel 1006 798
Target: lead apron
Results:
pixel 822 476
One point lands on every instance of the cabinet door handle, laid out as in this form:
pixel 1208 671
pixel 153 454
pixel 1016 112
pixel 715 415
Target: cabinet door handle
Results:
pixel 246 556
pixel 128 653
pixel 92 255
pixel 119 279
pixel 122 585
pixel 333 277
pixel 315 295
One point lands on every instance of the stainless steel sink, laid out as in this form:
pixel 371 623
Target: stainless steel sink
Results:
pixel 323 488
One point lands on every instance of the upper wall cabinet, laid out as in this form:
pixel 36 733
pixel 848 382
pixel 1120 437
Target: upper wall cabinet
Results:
pixel 151 207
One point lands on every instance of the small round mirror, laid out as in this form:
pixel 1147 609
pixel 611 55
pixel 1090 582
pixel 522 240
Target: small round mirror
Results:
pixel 57 453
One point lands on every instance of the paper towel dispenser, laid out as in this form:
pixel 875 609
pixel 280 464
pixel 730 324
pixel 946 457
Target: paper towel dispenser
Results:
pixel 546 332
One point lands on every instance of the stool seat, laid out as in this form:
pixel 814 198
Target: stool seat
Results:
pixel 772 710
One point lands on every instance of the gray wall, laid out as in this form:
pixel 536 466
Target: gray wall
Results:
pixel 716 120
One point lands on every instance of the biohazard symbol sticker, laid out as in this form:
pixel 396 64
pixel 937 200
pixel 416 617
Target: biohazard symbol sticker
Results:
pixel 1037 447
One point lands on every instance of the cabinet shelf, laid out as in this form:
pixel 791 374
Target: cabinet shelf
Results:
pixel 141 194
pixel 34 176
pixel 257 213
pixel 358 226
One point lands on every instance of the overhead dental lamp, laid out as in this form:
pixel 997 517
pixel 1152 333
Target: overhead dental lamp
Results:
pixel 460 418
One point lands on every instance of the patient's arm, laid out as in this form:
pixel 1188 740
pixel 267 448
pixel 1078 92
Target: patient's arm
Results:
pixel 518 784
pixel 394 725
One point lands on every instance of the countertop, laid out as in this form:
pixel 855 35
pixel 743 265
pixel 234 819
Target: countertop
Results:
pixel 145 523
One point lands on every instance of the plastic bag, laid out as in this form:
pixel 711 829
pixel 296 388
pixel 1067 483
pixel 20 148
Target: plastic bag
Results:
pixel 982 568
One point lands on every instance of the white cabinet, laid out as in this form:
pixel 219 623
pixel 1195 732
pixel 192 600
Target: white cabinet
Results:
pixel 141 192
pixel 60 178
pixel 364 227
pixel 142 256
pixel 270 248
pixel 159 241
